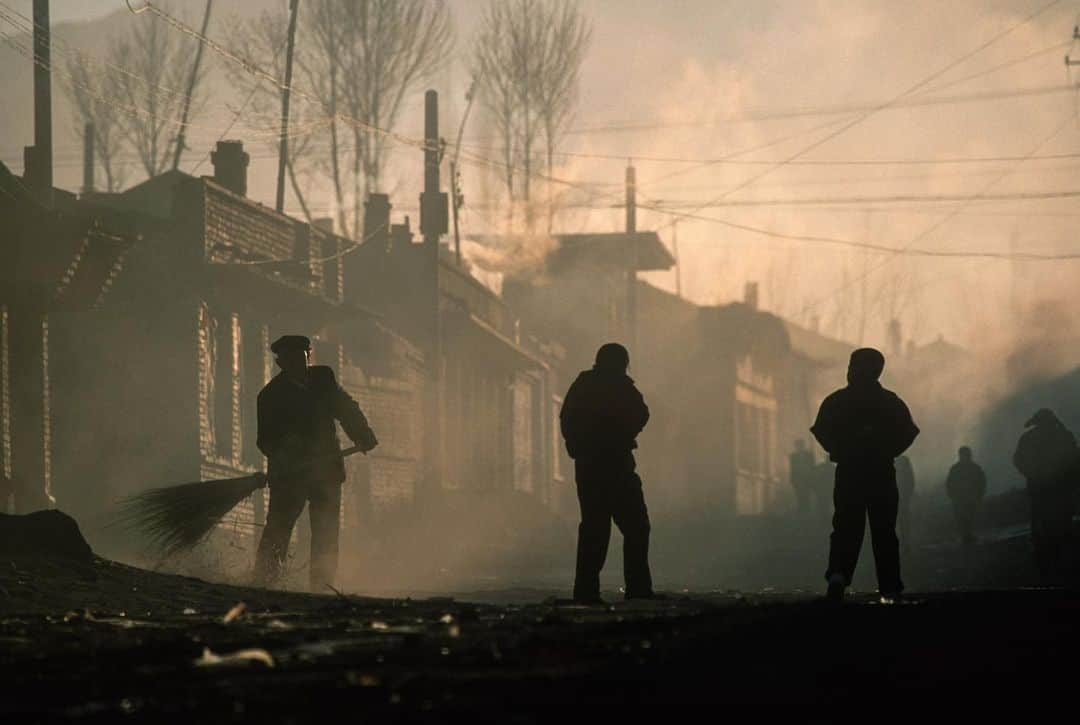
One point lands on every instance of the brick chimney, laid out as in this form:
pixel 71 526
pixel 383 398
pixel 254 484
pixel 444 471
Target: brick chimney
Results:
pixel 750 295
pixel 230 166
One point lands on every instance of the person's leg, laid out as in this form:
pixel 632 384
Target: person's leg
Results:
pixel 325 512
pixel 882 510
pixel 594 532
pixel 286 502
pixel 632 518
pixel 849 524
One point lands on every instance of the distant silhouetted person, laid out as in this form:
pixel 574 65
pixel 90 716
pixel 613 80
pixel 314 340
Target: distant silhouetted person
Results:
pixel 864 427
pixel 905 486
pixel 601 417
pixel 801 471
pixel 966 486
pixel 1047 456
pixel 296 414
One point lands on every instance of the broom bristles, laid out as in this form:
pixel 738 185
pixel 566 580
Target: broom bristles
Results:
pixel 176 518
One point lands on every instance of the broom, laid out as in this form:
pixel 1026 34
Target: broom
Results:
pixel 176 518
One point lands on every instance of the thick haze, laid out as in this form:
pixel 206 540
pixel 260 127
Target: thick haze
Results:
pixel 685 69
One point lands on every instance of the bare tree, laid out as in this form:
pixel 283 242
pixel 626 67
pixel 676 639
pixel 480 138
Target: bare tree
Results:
pixel 527 58
pixel 389 47
pixel 261 41
pixel 90 88
pixel 157 61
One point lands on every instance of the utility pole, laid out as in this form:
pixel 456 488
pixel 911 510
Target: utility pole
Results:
pixel 283 149
pixel 42 156
pixel 631 273
pixel 433 224
pixel 88 159
pixel 455 174
pixel 181 137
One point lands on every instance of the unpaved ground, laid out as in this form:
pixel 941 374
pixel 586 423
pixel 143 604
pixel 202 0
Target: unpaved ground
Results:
pixel 105 642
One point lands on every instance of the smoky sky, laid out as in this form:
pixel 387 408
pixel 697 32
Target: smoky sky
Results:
pixel 689 74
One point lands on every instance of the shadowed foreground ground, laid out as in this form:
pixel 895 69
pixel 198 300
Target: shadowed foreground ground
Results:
pixel 99 640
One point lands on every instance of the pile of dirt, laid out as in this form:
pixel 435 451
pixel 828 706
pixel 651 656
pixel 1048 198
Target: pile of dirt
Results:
pixel 43 534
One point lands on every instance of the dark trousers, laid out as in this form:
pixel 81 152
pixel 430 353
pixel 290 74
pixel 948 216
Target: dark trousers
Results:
pixel 287 500
pixel 861 493
pixel 964 513
pixel 1051 526
pixel 611 490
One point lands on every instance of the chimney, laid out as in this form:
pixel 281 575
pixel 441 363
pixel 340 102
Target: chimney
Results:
pixel 750 295
pixel 377 221
pixel 230 166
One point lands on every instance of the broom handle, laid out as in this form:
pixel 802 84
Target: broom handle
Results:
pixel 344 452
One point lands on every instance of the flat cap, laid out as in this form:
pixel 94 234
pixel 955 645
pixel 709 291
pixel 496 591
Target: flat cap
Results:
pixel 290 342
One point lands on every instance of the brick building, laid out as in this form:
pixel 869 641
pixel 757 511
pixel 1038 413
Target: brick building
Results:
pixel 55 263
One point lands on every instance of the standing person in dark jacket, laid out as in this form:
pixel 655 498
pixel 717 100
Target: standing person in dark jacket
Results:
pixel 296 414
pixel 966 486
pixel 801 474
pixel 1047 456
pixel 601 417
pixel 864 427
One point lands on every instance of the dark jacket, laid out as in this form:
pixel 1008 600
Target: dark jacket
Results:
pixel 1047 455
pixel 602 415
pixel 864 424
pixel 966 481
pixel 296 424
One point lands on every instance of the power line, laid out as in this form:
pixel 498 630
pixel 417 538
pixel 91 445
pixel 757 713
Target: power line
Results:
pixel 910 90
pixel 896 198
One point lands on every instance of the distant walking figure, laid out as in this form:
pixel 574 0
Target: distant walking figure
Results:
pixel 864 427
pixel 966 486
pixel 1047 456
pixel 601 417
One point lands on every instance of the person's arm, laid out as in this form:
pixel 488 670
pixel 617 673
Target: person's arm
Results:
pixel 980 482
pixel 570 419
pixel 906 430
pixel 640 414
pixel 824 428
pixel 353 422
pixel 268 433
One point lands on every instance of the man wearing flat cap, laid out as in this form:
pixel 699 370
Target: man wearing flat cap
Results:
pixel 864 428
pixel 296 412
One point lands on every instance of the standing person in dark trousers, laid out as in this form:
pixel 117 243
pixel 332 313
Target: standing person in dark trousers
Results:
pixel 801 473
pixel 601 417
pixel 296 414
pixel 966 486
pixel 864 427
pixel 905 486
pixel 1047 456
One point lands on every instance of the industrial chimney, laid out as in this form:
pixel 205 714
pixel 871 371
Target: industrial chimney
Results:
pixel 230 166
pixel 750 295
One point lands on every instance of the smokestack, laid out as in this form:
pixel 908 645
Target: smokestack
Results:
pixel 230 166
pixel 42 156
pixel 631 200
pixel 750 295
pixel 88 159
pixel 434 208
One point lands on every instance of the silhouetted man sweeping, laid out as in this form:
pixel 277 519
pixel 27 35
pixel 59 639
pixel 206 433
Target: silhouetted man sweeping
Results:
pixel 864 427
pixel 601 417
pixel 296 412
